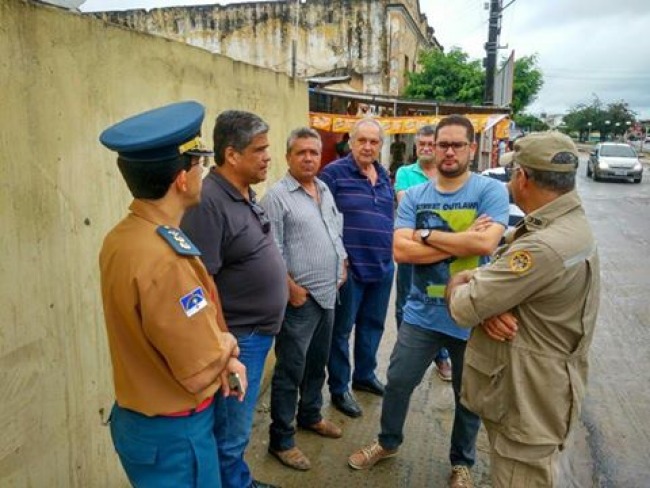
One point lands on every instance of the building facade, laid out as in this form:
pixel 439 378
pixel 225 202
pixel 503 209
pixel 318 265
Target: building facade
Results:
pixel 378 40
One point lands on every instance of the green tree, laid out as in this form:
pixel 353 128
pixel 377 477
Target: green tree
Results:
pixel 527 82
pixel 613 120
pixel 447 77
pixel 530 123
pixel 454 77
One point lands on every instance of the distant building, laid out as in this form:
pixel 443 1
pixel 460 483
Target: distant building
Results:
pixel 376 41
pixel 552 120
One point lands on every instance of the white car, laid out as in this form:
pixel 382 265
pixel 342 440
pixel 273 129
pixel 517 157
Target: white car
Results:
pixel 616 161
pixel 503 175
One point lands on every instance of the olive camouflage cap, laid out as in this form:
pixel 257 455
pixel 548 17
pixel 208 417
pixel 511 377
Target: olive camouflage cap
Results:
pixel 544 151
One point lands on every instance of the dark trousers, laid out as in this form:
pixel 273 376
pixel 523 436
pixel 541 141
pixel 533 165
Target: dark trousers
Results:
pixel 301 349
pixel 403 280
pixel 412 354
pixel 362 306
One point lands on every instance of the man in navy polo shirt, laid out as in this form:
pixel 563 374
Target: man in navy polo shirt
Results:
pixel 364 195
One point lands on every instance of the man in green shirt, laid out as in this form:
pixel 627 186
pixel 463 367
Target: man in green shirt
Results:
pixel 407 176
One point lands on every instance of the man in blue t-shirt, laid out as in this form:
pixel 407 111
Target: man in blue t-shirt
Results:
pixel 445 226
pixel 423 170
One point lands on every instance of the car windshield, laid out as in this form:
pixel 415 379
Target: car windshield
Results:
pixel 618 151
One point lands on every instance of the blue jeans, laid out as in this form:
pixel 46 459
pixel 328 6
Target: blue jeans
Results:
pixel 363 306
pixel 233 420
pixel 403 287
pixel 301 348
pixel 166 452
pixel 412 355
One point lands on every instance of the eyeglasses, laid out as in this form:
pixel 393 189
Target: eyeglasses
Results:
pixel 456 146
pixel 261 216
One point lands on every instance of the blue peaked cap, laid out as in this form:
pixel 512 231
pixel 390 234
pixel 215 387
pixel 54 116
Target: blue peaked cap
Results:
pixel 160 134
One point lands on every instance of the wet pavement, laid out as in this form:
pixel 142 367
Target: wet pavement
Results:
pixel 610 447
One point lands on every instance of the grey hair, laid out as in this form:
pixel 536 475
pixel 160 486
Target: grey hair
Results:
pixel 425 130
pixel 302 133
pixel 366 121
pixel 236 129
pixel 559 182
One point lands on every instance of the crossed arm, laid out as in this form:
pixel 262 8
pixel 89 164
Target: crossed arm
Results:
pixel 502 327
pixel 481 239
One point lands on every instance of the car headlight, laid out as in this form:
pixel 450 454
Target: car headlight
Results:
pixel 637 167
pixel 603 165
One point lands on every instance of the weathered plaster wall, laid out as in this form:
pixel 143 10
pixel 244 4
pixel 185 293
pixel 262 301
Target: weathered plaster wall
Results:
pixel 64 78
pixel 329 34
pixel 404 47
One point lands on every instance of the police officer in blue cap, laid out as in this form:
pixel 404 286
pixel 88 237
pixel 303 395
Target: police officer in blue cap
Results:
pixel 169 344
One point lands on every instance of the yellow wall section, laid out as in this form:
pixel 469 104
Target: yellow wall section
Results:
pixel 63 78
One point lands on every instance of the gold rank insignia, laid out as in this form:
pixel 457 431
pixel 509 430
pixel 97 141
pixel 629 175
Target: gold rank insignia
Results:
pixel 521 261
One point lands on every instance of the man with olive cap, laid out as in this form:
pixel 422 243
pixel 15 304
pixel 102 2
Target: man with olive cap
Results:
pixel 168 340
pixel 535 306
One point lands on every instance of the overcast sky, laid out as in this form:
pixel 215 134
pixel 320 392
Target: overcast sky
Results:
pixel 585 47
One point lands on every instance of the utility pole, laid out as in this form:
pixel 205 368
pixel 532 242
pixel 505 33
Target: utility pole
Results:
pixel 491 49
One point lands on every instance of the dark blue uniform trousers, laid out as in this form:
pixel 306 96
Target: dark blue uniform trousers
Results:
pixel 166 452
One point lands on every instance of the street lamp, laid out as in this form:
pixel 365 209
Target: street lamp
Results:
pixel 588 131
pixel 607 122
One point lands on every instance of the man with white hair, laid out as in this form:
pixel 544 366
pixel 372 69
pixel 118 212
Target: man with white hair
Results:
pixel 363 194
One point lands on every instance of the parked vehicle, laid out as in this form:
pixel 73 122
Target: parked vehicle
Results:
pixel 503 175
pixel 616 161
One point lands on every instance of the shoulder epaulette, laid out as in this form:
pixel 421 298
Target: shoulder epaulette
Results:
pixel 178 241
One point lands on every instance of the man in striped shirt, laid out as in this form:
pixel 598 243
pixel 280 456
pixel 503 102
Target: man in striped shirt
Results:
pixel 364 195
pixel 307 228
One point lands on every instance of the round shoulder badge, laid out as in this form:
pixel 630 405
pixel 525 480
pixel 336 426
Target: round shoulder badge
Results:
pixel 521 261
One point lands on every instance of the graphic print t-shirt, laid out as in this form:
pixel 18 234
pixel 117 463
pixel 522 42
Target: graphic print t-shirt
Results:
pixel 424 207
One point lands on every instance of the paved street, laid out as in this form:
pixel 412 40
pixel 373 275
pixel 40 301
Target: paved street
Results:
pixel 611 447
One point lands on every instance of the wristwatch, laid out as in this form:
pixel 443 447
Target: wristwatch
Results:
pixel 424 235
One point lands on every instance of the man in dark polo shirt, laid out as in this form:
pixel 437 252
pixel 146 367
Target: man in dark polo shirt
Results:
pixel 233 233
pixel 364 195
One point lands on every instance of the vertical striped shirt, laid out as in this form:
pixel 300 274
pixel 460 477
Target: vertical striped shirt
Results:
pixel 367 217
pixel 308 235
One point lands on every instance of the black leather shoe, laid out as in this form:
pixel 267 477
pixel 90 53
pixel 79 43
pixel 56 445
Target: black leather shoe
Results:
pixel 347 404
pixel 373 386
pixel 259 484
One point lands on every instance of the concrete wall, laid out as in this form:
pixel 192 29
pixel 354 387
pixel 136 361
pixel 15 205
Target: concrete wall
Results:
pixel 329 34
pixel 63 78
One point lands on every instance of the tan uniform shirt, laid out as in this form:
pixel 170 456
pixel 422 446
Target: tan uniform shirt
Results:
pixel 548 277
pixel 155 340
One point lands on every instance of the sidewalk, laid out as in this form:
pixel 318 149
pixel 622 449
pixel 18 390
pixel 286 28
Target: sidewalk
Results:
pixel 422 460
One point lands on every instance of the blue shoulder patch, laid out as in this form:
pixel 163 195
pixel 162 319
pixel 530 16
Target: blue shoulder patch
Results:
pixel 178 241
pixel 193 302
